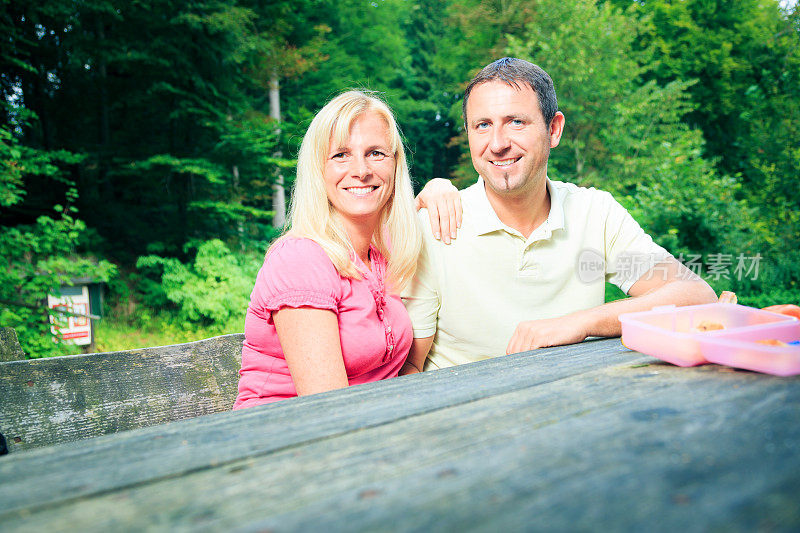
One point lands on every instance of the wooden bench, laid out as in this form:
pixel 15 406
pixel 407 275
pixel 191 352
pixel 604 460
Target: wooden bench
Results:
pixel 10 350
pixel 61 399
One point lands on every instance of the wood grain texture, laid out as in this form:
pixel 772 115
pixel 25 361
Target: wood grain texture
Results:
pixel 62 399
pixel 614 447
pixel 110 462
pixel 10 349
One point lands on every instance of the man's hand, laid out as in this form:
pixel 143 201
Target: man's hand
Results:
pixel 669 282
pixel 534 334
pixel 444 208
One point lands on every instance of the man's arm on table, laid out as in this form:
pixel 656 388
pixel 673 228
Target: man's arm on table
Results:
pixel 668 282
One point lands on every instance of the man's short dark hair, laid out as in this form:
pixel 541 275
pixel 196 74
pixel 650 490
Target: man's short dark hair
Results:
pixel 512 71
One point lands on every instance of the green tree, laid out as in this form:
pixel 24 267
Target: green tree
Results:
pixel 626 133
pixel 730 48
pixel 621 130
pixel 431 90
pixel 745 57
pixel 146 92
pixel 41 255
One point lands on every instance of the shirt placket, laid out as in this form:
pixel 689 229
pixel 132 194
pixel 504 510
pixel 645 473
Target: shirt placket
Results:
pixel 379 293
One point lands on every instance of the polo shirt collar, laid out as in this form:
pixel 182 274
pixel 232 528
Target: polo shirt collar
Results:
pixel 486 220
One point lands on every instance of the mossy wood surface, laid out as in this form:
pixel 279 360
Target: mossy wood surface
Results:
pixel 10 350
pixel 61 399
pixel 586 437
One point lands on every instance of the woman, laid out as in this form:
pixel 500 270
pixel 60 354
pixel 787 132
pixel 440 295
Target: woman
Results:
pixel 325 311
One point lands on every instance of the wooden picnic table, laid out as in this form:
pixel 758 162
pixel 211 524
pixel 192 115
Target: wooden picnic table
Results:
pixel 590 436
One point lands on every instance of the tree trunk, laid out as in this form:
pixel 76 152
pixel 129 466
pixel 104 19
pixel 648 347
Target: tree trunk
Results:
pixel 104 134
pixel 238 198
pixel 278 193
pixel 578 163
pixel 102 84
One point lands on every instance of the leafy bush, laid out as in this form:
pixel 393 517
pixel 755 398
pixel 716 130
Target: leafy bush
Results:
pixel 41 257
pixel 213 289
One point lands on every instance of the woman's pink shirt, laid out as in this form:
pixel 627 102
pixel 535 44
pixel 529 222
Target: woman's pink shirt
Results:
pixel 374 327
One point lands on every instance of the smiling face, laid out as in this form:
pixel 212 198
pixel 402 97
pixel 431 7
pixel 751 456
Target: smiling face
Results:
pixel 359 174
pixel 508 139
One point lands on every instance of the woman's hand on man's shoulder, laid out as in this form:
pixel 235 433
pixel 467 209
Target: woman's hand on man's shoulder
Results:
pixel 443 202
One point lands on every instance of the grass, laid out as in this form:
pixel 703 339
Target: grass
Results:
pixel 115 335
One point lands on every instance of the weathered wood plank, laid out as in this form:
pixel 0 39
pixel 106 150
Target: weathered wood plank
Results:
pixel 647 459
pixel 10 349
pixel 657 448
pixel 61 399
pixel 109 462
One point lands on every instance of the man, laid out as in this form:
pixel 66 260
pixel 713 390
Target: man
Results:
pixel 529 266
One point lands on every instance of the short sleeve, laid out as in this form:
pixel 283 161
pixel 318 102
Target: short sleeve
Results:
pixel 297 273
pixel 421 297
pixel 630 252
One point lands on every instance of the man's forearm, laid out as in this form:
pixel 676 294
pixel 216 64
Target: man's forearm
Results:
pixel 678 286
pixel 415 362
pixel 603 321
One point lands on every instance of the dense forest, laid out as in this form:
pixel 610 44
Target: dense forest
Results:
pixel 150 144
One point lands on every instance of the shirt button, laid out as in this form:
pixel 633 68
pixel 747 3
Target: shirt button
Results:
pixel 389 329
pixel 391 347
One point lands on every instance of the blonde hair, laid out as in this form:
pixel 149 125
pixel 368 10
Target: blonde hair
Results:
pixel 398 237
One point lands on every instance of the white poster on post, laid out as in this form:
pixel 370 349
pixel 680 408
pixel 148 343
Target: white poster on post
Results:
pixel 72 329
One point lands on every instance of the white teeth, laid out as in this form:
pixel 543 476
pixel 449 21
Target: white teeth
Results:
pixel 503 163
pixel 360 191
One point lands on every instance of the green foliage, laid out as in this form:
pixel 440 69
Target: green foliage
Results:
pixel 620 129
pixel 152 119
pixel 627 132
pixel 613 293
pixel 159 98
pixel 42 256
pixel 746 61
pixel 11 187
pixel 429 107
pixel 213 289
pixel 728 49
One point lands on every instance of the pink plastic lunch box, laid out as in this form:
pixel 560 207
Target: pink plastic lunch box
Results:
pixel 740 349
pixel 670 334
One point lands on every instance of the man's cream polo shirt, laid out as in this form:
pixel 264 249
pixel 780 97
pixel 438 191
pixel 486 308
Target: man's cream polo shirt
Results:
pixel 473 293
